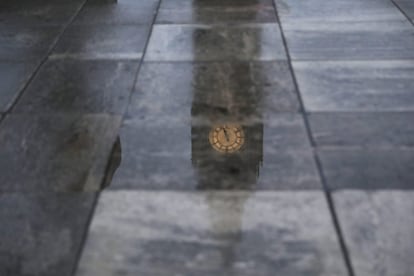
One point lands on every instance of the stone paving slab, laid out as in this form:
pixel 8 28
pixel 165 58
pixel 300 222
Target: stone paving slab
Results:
pixel 252 89
pixel 177 156
pixel 368 130
pixel 184 11
pixel 368 169
pixel 120 12
pixel 80 86
pixel 337 11
pixel 102 42
pixel 378 229
pixel 13 77
pixel 377 40
pixel 407 6
pixel 356 85
pixel 55 152
pixel 38 12
pixel 42 233
pixel 208 43
pixel 26 43
pixel 146 233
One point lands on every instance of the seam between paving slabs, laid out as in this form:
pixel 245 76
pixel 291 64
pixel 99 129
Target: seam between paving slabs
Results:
pixel 42 61
pixel 403 12
pixel 86 231
pixel 328 195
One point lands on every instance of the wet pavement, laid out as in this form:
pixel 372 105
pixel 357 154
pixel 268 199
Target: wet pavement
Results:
pixel 190 137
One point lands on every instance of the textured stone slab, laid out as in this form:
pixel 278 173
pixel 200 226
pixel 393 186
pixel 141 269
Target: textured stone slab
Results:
pixel 37 12
pixel 407 6
pixel 13 77
pixel 42 234
pixel 184 11
pixel 55 153
pixel 368 168
pixel 363 129
pixel 82 86
pixel 178 156
pixel 119 12
pixel 206 42
pixel 350 40
pixel 167 233
pixel 240 89
pixel 22 43
pixel 337 11
pixel 356 85
pixel 378 229
pixel 102 42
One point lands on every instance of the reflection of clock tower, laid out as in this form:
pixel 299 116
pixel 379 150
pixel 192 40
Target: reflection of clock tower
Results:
pixel 227 128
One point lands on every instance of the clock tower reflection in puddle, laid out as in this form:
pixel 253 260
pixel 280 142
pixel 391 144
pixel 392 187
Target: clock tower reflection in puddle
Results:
pixel 226 138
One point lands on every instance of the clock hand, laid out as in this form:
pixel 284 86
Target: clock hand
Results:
pixel 225 134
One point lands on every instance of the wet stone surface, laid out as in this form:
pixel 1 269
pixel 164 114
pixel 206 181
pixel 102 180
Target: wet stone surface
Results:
pixel 37 12
pixel 407 6
pixel 377 40
pixel 211 234
pixel 230 11
pixel 368 169
pixel 81 86
pixel 102 42
pixel 337 11
pixel 368 130
pixel 378 229
pixel 165 140
pixel 206 43
pixel 177 156
pixel 208 167
pixel 13 78
pixel 356 85
pixel 46 153
pixel 23 43
pixel 239 89
pixel 41 233
pixel 119 12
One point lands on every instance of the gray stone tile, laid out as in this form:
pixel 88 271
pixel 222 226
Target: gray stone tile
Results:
pixel 337 11
pixel 407 6
pixel 22 43
pixel 167 233
pixel 55 153
pixel 42 234
pixel 81 86
pixel 370 130
pixel 177 90
pixel 368 169
pixel 37 12
pixel 356 85
pixel 102 42
pixel 178 156
pixel 230 11
pixel 119 12
pixel 378 229
pixel 14 76
pixel 350 40
pixel 206 43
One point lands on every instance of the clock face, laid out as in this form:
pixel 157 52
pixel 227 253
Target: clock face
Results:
pixel 226 138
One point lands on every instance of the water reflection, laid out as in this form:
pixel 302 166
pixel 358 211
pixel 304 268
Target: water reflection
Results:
pixel 227 145
pixel 230 110
pixel 226 218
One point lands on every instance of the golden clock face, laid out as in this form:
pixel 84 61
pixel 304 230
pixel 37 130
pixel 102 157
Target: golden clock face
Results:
pixel 226 138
